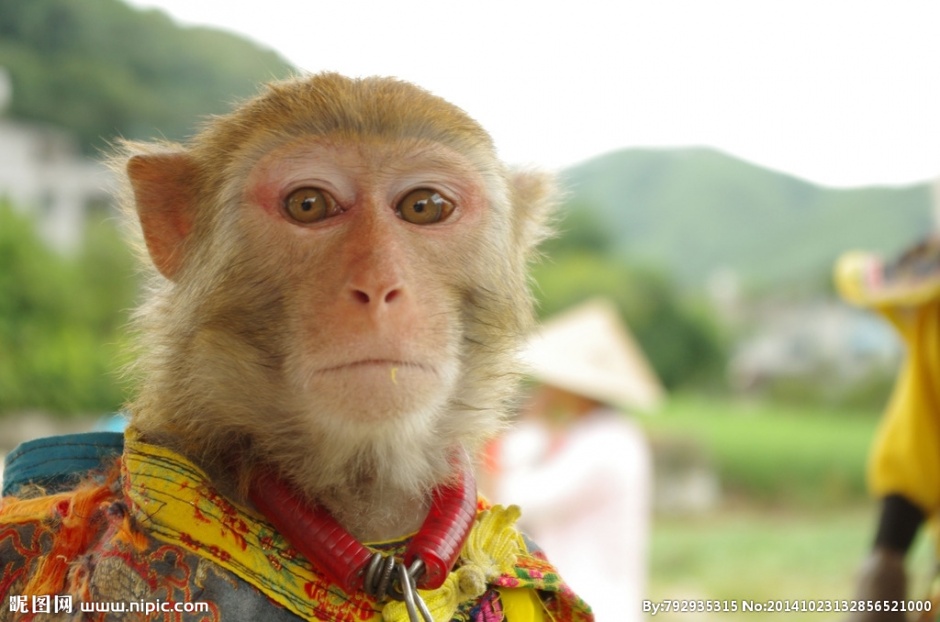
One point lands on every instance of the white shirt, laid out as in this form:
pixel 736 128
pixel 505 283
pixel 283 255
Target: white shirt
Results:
pixel 585 500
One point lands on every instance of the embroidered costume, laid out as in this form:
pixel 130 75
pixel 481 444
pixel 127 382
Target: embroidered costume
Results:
pixel 152 530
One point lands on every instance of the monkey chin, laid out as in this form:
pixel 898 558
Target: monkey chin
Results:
pixel 363 430
pixel 377 393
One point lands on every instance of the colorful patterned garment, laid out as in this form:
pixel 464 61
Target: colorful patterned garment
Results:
pixel 154 530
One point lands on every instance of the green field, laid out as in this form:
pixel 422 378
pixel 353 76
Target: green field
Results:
pixel 794 523
pixel 761 555
pixel 795 457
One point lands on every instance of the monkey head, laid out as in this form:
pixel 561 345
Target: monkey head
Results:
pixel 340 287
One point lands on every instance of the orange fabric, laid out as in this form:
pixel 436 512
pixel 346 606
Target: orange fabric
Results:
pixel 75 533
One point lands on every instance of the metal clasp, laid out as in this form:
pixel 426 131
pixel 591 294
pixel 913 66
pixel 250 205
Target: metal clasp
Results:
pixel 380 582
pixel 408 584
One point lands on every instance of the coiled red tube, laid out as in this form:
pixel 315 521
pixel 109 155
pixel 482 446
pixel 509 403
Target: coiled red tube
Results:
pixel 444 531
pixel 313 531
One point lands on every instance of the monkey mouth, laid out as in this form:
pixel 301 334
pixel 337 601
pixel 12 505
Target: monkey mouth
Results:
pixel 377 363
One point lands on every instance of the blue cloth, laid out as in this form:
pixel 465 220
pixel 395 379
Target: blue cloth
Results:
pixel 58 462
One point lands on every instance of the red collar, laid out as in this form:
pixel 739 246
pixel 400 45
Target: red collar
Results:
pixel 313 531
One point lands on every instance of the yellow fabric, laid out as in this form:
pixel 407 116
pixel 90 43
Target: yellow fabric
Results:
pixel 905 458
pixel 172 498
pixel 489 552
pixel 522 606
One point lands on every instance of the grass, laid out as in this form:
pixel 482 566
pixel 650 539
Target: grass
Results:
pixel 740 554
pixel 759 555
pixel 774 454
pixel 794 523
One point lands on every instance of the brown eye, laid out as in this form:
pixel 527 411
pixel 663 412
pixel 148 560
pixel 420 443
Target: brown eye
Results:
pixel 424 207
pixel 309 205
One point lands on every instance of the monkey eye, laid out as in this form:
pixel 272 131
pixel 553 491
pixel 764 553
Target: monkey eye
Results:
pixel 309 205
pixel 424 207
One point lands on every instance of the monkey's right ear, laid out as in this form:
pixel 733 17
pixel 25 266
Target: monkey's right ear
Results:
pixel 163 195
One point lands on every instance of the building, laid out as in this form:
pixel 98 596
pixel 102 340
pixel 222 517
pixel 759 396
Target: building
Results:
pixel 44 173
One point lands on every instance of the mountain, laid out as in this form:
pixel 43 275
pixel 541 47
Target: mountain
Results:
pixel 103 69
pixel 696 211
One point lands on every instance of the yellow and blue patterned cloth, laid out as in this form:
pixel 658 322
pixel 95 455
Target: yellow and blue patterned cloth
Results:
pixel 155 528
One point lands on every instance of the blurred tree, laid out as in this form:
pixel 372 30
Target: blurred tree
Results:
pixel 681 338
pixel 580 229
pixel 103 69
pixel 61 319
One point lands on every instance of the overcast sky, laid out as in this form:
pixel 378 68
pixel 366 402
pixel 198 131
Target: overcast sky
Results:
pixel 840 92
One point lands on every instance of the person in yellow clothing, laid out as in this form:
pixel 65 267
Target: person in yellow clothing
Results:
pixel 904 465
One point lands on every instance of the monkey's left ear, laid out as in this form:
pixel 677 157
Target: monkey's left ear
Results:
pixel 535 197
pixel 163 195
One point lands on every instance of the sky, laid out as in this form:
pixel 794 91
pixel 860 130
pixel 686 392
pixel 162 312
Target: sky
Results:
pixel 839 92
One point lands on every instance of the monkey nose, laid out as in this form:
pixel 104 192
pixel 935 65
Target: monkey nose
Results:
pixel 377 295
pixel 374 286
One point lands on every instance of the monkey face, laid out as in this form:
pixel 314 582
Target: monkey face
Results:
pixel 368 241
pixel 341 287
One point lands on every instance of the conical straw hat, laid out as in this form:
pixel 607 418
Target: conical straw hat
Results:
pixel 588 351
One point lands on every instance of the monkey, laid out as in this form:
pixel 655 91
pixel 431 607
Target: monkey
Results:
pixel 339 284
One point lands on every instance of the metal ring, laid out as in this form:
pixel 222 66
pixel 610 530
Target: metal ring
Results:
pixel 414 574
pixel 369 581
pixel 385 581
pixel 381 581
pixel 378 577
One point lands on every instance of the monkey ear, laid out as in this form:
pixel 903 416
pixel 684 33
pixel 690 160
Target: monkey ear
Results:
pixel 535 197
pixel 163 196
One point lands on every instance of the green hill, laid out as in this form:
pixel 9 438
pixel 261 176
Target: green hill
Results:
pixel 694 211
pixel 101 68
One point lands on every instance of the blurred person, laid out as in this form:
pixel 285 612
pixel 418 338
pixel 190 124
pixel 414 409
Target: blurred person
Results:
pixel 904 464
pixel 578 465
